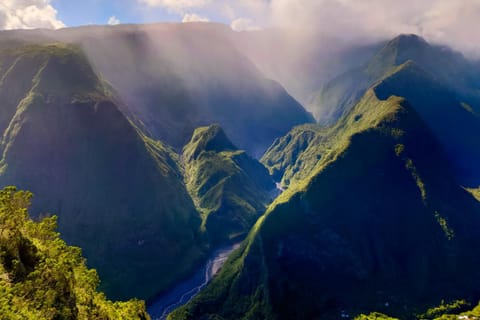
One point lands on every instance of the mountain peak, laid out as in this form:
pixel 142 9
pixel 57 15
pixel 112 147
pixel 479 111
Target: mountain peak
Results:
pixel 409 39
pixel 208 138
pixel 398 51
pixel 407 47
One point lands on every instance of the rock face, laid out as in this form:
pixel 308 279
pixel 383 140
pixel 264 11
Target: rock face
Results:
pixel 230 188
pixel 379 224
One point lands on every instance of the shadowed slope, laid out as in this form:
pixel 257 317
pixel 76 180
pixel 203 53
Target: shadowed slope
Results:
pixel 378 226
pixel 118 195
pixel 230 188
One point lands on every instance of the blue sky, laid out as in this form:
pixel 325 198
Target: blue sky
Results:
pixel 85 12
pixel 75 13
pixel 19 14
pixel 453 22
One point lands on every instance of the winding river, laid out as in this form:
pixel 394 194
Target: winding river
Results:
pixel 185 291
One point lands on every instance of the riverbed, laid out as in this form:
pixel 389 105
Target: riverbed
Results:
pixel 186 290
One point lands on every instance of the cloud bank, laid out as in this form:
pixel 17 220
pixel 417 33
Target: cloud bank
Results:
pixel 28 14
pixel 452 22
pixel 446 21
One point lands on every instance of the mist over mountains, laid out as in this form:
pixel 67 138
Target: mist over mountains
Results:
pixel 350 172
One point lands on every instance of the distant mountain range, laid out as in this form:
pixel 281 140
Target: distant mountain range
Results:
pixel 156 144
pixel 94 121
pixel 375 217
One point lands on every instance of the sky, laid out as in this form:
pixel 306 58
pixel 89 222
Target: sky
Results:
pixel 453 22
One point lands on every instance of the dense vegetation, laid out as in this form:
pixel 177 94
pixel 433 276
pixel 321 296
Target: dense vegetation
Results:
pixel 375 226
pixel 43 278
pixel 118 194
pixel 407 67
pixel 380 217
pixel 230 188
pixel 445 311
pixel 439 83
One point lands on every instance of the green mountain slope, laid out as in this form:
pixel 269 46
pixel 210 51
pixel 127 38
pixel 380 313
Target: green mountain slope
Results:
pixel 230 188
pixel 43 278
pixel 448 67
pixel 459 309
pixel 452 121
pixel 448 111
pixel 118 195
pixel 294 157
pixel 177 77
pixel 378 226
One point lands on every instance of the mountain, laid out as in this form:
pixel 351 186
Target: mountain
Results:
pixel 230 188
pixel 454 310
pixel 302 62
pixel 379 224
pixel 43 278
pixel 177 77
pixel 118 194
pixel 450 68
pixel 93 120
pixel 439 83
pixel 174 78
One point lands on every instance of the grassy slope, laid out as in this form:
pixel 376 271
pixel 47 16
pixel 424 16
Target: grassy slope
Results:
pixel 229 187
pixel 441 85
pixel 119 195
pixel 43 278
pixel 330 243
pixel 459 309
pixel 449 67
pixel 292 157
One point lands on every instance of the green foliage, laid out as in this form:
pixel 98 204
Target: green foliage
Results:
pixel 358 226
pixel 229 188
pixel 309 148
pixel 449 233
pixel 43 278
pixel 374 316
pixel 444 309
pixel 119 195
pixel 442 85
pixel 421 186
pixel 475 192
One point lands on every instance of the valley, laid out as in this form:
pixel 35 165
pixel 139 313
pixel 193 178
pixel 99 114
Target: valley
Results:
pixel 192 171
pixel 188 289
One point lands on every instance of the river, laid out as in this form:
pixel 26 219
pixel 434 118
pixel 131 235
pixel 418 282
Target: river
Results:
pixel 186 290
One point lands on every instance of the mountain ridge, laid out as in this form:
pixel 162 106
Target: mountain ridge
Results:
pixel 230 188
pixel 301 277
pixel 87 162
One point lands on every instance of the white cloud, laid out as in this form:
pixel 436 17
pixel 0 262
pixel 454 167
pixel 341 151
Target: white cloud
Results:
pixel 193 17
pixel 28 14
pixel 446 21
pixel 113 21
pixel 176 5
pixel 453 22
pixel 243 24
